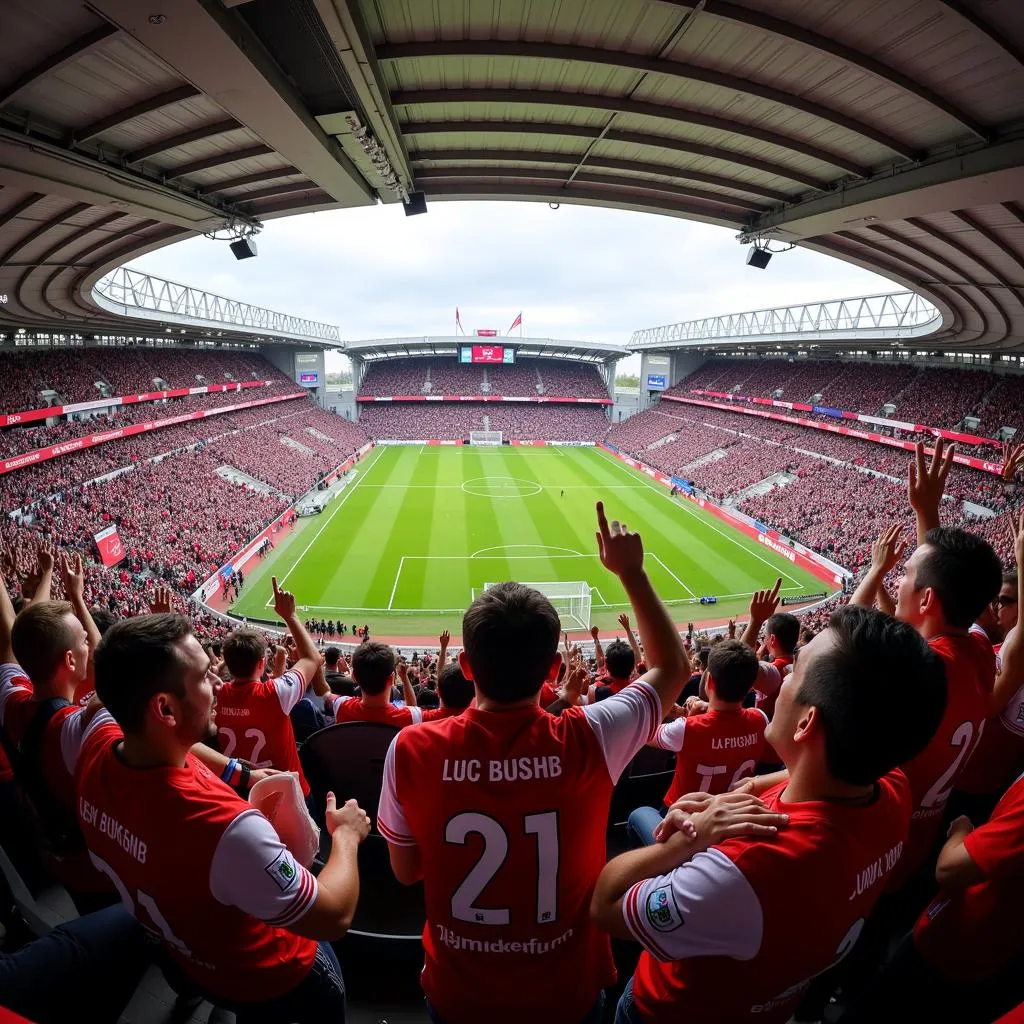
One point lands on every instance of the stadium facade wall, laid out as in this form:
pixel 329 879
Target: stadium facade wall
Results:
pixel 963 460
pixel 811 561
pixel 537 399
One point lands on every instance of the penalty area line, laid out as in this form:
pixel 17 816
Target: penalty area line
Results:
pixel 394 589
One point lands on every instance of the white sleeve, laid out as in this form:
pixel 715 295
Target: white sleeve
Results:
pixel 73 734
pixel 9 672
pixel 391 821
pixel 254 871
pixel 769 679
pixel 624 722
pixel 290 688
pixel 417 713
pixel 670 735
pixel 703 908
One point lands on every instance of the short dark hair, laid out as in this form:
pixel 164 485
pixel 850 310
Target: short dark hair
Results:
pixel 104 618
pixel 455 689
pixel 860 744
pixel 136 659
pixel 963 570
pixel 510 635
pixel 244 649
pixel 704 655
pixel 786 628
pixel 373 665
pixel 332 655
pixel 733 667
pixel 40 638
pixel 1009 578
pixel 619 659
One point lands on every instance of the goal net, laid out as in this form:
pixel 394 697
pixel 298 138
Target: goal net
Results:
pixel 487 438
pixel 572 601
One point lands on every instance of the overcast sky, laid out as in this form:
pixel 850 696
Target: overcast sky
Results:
pixel 576 272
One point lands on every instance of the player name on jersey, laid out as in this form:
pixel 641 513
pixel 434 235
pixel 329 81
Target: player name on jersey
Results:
pixel 128 841
pixel 515 769
pixel 878 870
pixel 736 742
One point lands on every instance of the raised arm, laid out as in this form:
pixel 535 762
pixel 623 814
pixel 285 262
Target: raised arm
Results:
pixel 442 658
pixel 72 575
pixel 319 681
pixel 886 551
pixel 763 604
pixel 1011 670
pixel 408 693
pixel 595 635
pixel 622 553
pixel 37 586
pixel 309 657
pixel 630 638
pixel 6 622
pixel 925 484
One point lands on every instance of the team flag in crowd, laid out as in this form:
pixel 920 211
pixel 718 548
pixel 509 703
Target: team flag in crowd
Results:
pixel 109 546
pixel 518 322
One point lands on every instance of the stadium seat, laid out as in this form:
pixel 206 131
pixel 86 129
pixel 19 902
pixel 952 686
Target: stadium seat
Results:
pixel 348 760
pixel 50 907
pixel 643 783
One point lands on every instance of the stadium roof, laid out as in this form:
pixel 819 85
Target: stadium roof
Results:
pixel 890 134
pixel 549 348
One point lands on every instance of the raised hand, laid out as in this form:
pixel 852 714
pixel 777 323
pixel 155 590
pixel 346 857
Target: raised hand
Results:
pixel 284 602
pixel 624 621
pixel 764 603
pixel 444 639
pixel 46 558
pixel 926 482
pixel 621 552
pixel 887 550
pixel 1017 533
pixel 1013 459
pixel 161 602
pixel 73 577
pixel 595 632
pixel 732 629
pixel 349 817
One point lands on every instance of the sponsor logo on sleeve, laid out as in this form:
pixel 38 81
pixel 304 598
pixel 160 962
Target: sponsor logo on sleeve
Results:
pixel 283 871
pixel 662 912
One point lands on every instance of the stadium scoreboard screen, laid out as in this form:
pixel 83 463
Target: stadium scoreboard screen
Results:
pixel 487 354
pixel 309 378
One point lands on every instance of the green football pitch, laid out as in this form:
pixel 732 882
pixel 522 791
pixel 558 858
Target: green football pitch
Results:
pixel 420 530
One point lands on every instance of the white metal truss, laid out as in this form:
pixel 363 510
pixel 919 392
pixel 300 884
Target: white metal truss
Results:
pixel 896 315
pixel 133 293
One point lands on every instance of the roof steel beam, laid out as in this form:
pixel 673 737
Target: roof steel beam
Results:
pixel 787 30
pixel 627 184
pixel 638 62
pixel 55 61
pixel 217 160
pixel 999 38
pixel 249 179
pixel 595 160
pixel 146 106
pixel 208 131
pixel 668 142
pixel 593 101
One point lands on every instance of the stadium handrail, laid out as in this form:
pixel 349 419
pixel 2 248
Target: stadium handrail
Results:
pixel 867 317
pixel 985 465
pixel 846 414
pixel 54 451
pixel 30 415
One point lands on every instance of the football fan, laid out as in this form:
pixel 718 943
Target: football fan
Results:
pixel 374 667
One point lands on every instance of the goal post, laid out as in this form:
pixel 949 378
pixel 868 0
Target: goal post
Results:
pixel 572 600
pixel 485 438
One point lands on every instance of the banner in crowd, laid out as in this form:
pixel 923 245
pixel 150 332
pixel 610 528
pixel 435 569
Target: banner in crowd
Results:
pixel 539 399
pixel 963 460
pixel 109 546
pixel 923 428
pixel 31 415
pixel 91 440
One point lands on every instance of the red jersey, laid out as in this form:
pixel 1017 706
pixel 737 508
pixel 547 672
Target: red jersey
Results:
pixel 253 723
pixel 439 714
pixel 714 750
pixel 199 868
pixel 352 709
pixel 495 801
pixel 970 935
pixel 742 929
pixel 970 673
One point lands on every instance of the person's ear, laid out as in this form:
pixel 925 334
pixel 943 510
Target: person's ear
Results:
pixel 556 667
pixel 163 710
pixel 464 665
pixel 808 726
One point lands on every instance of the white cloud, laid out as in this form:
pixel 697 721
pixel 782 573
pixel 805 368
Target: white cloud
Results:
pixel 575 272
